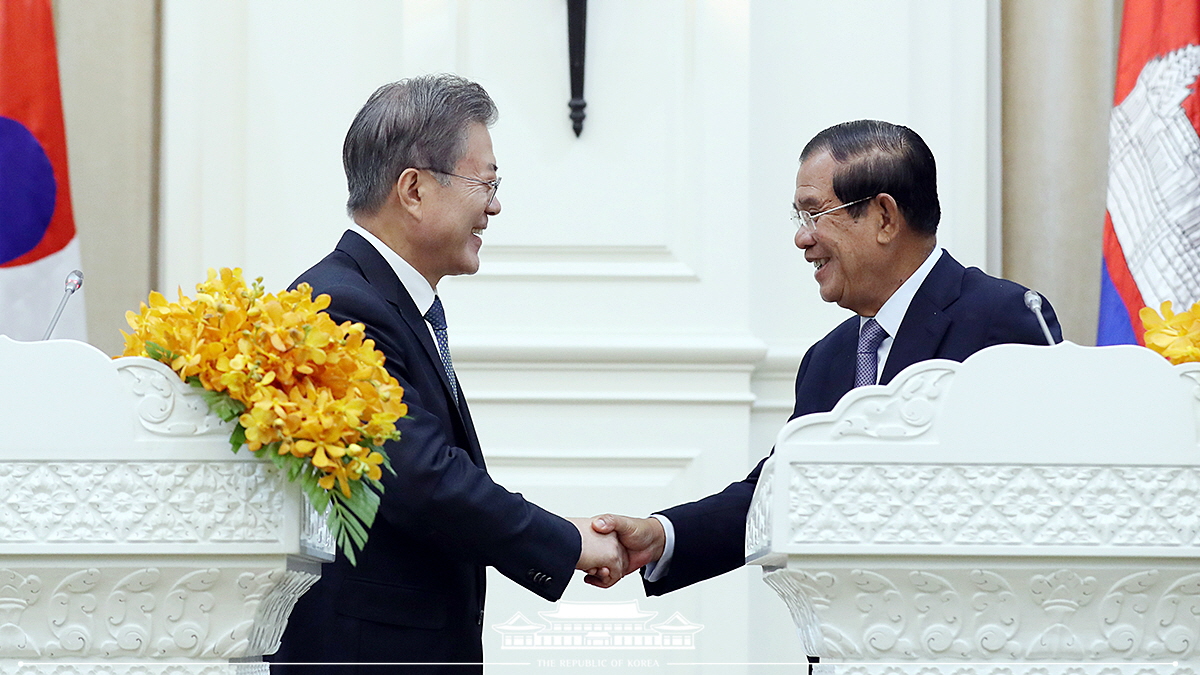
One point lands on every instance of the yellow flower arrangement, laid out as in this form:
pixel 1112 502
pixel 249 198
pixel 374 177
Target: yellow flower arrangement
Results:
pixel 311 395
pixel 1175 336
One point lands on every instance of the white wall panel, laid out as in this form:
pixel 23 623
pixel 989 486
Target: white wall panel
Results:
pixel 612 344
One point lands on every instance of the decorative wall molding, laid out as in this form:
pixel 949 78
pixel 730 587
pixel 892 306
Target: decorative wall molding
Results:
pixel 583 263
pixel 316 539
pixel 647 469
pixel 758 519
pixel 167 405
pixel 991 505
pixel 909 612
pixel 717 397
pixel 905 410
pixel 154 612
pixel 17 667
pixel 774 381
pixel 521 352
pixel 71 503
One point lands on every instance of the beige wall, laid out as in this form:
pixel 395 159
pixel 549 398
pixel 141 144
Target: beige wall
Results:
pixel 108 60
pixel 1058 64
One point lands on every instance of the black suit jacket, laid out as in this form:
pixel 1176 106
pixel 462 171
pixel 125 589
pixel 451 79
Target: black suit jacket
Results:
pixel 417 592
pixel 955 313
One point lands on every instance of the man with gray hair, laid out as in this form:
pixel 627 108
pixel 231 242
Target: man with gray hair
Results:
pixel 422 179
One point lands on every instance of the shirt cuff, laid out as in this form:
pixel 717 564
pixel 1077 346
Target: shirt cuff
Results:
pixel 654 571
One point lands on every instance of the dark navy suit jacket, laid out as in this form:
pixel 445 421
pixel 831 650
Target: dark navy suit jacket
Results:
pixel 417 592
pixel 956 312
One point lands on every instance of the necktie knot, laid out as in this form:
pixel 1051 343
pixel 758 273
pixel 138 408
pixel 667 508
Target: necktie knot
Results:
pixel 436 316
pixel 869 338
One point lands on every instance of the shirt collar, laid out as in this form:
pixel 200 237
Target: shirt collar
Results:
pixel 418 287
pixel 892 313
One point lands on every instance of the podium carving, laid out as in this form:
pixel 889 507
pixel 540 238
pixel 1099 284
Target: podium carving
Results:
pixel 1031 510
pixel 132 537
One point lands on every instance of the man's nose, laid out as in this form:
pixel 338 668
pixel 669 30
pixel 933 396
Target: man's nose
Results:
pixel 805 238
pixel 494 207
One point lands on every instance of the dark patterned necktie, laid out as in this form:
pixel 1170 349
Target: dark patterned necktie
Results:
pixel 869 339
pixel 436 317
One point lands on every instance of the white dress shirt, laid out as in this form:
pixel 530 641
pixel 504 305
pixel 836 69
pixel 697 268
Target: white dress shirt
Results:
pixel 418 287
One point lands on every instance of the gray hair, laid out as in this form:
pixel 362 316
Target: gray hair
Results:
pixel 420 122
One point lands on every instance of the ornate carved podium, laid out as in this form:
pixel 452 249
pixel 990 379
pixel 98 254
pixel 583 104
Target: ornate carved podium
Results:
pixel 133 540
pixel 1031 510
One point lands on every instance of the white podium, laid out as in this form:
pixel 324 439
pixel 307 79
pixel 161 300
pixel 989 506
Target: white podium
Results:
pixel 132 540
pixel 1031 510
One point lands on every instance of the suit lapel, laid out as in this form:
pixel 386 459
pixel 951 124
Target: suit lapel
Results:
pixel 843 362
pixel 380 275
pixel 925 323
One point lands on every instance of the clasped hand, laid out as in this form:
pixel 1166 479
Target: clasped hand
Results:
pixel 614 546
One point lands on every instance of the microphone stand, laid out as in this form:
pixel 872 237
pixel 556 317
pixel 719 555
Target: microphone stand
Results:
pixel 74 283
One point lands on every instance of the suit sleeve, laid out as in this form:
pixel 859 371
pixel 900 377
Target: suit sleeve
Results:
pixel 438 493
pixel 710 536
pixel 1015 323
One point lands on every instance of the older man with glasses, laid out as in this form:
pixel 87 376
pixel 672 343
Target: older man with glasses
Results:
pixel 866 209
pixel 422 179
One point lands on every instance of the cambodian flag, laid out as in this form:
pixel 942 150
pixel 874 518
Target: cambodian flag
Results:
pixel 38 246
pixel 1152 231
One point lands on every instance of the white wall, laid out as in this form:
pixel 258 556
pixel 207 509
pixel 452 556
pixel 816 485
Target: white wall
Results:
pixel 630 339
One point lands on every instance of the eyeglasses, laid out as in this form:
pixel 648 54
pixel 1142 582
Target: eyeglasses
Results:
pixel 493 185
pixel 806 221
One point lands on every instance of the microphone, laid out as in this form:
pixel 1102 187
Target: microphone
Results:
pixel 74 283
pixel 1034 302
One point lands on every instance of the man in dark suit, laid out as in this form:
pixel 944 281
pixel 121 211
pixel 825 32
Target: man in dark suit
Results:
pixel 422 181
pixel 867 211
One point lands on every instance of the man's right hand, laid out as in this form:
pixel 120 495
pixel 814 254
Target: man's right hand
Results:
pixel 643 539
pixel 601 555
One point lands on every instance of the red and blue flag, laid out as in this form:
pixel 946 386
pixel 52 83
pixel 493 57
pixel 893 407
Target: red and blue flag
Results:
pixel 38 243
pixel 1152 227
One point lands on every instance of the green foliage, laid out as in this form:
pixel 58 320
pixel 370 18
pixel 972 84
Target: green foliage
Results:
pixel 220 402
pixel 348 518
pixel 156 352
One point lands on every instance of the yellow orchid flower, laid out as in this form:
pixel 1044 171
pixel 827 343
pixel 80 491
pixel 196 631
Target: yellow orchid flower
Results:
pixel 1174 335
pixel 310 390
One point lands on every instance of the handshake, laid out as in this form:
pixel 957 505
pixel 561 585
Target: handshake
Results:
pixel 614 546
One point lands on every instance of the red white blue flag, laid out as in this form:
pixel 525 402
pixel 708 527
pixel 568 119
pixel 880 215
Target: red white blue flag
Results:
pixel 1152 230
pixel 38 245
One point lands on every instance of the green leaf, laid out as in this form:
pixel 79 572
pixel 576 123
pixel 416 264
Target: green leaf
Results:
pixel 351 524
pixel 363 503
pixel 156 352
pixel 238 438
pixel 355 530
pixel 371 507
pixel 348 550
pixel 220 402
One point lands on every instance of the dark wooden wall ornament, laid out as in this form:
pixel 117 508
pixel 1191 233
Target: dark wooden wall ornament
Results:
pixel 576 34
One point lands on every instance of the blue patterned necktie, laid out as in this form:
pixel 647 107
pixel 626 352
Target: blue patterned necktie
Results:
pixel 436 316
pixel 869 339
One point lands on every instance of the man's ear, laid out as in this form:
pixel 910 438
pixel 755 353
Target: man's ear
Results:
pixel 407 191
pixel 891 221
